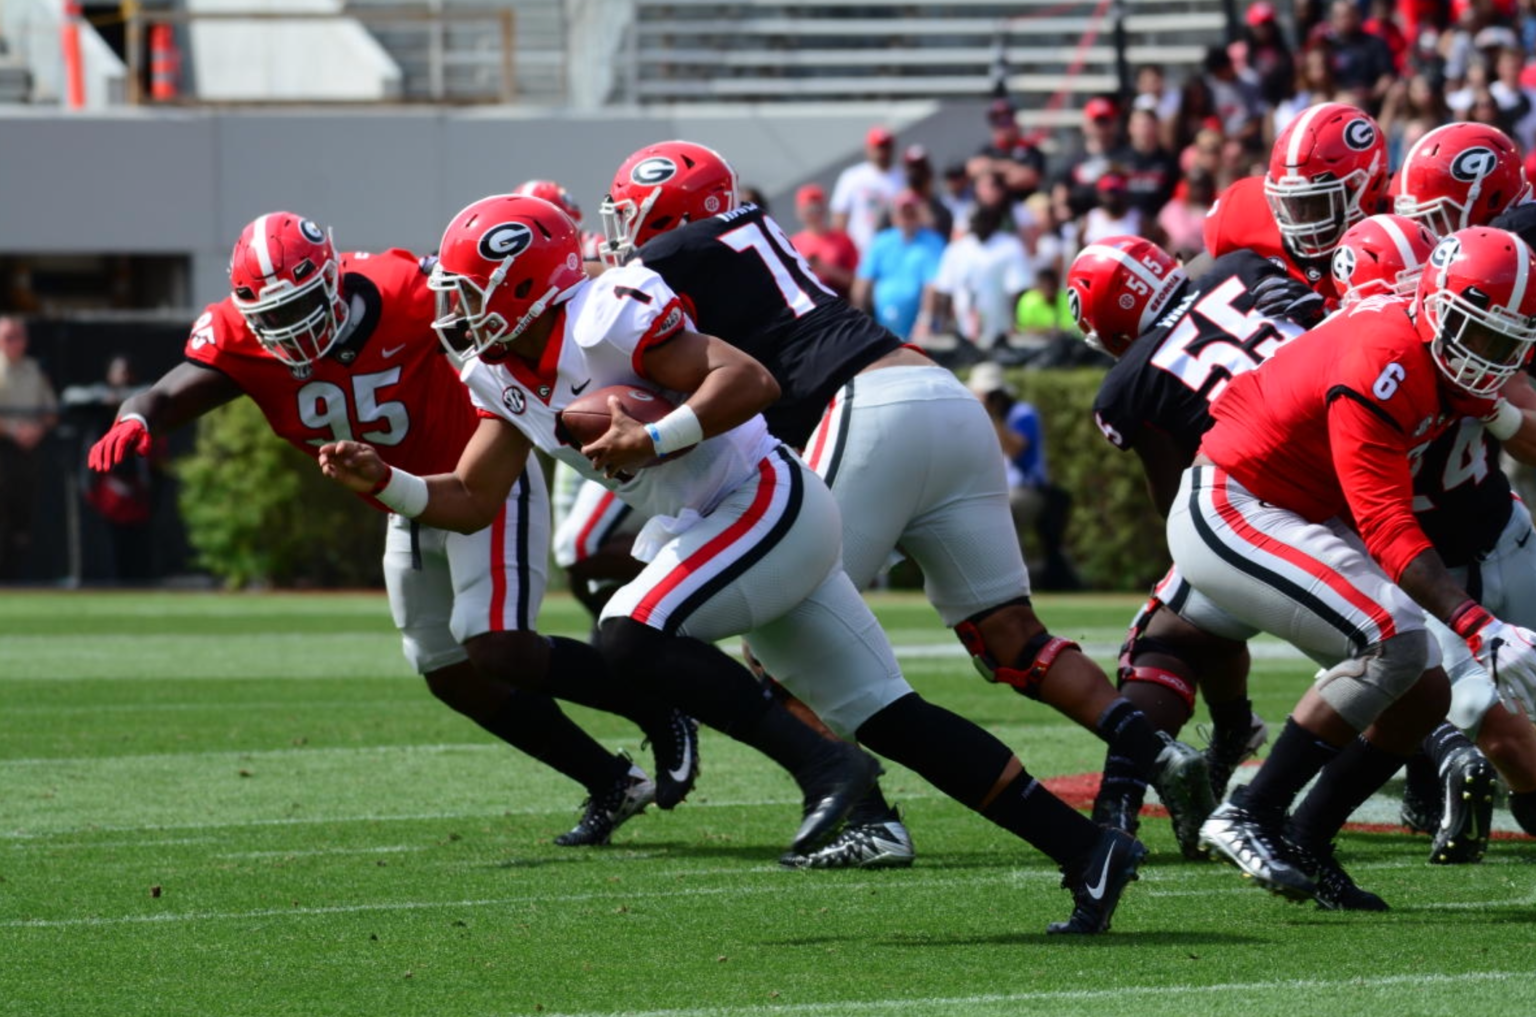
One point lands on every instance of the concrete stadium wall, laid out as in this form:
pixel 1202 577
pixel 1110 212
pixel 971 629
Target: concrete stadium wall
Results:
pixel 186 181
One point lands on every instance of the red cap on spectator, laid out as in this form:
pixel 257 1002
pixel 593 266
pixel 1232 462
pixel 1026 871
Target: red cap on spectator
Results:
pixel 1260 13
pixel 1100 108
pixel 879 136
pixel 810 194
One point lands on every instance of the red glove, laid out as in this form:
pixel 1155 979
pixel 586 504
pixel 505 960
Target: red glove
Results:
pixel 127 435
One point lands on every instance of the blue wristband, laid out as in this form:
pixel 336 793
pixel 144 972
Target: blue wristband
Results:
pixel 655 434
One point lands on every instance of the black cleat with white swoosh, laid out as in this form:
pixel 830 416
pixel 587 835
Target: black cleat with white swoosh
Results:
pixel 676 751
pixel 1099 882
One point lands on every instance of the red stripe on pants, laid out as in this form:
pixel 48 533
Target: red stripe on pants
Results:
pixel 499 571
pixel 586 531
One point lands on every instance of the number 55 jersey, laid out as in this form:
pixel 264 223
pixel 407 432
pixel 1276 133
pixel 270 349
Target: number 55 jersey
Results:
pixel 386 382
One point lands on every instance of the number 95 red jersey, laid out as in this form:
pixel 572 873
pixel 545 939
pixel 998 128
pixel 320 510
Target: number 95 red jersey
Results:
pixel 387 382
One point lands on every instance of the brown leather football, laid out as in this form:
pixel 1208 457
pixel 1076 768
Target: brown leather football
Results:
pixel 586 419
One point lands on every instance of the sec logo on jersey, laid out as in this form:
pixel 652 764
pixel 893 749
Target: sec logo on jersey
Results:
pixel 513 399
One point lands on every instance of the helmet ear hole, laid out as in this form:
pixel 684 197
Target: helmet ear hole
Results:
pixel 523 288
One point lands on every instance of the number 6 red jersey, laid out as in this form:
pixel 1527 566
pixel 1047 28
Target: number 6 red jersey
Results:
pixel 385 382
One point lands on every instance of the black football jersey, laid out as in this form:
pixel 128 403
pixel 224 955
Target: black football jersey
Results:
pixel 1460 495
pixel 1168 378
pixel 743 282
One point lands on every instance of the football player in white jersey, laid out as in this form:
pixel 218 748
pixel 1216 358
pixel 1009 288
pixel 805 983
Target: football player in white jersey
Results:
pixel 744 538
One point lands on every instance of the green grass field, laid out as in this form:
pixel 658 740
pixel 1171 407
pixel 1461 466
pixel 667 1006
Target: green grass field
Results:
pixel 247 805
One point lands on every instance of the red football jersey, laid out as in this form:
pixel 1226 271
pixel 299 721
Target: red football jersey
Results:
pixel 1333 425
pixel 1241 221
pixel 387 383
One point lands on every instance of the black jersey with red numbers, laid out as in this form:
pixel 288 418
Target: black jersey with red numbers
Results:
pixel 742 281
pixel 1168 377
pixel 1460 495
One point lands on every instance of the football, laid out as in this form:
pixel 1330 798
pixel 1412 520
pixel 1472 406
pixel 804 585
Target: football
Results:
pixel 586 418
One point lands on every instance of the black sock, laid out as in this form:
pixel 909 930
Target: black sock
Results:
pixel 1297 757
pixel 1422 776
pixel 1444 740
pixel 1523 805
pixel 1356 773
pixel 579 674
pixel 951 753
pixel 1133 748
pixel 1236 714
pixel 696 677
pixel 536 725
pixel 872 808
pixel 1026 809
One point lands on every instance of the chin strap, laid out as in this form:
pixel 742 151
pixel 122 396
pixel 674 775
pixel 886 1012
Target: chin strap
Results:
pixel 1041 652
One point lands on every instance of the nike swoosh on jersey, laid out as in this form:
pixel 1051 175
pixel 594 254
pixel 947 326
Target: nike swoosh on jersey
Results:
pixel 1522 540
pixel 681 773
pixel 577 389
pixel 1097 892
pixel 397 349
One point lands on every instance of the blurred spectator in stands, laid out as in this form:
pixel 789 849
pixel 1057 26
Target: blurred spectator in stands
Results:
pixel 831 254
pixel 1314 84
pixel 980 279
pixel 1150 169
pixel 1080 167
pixel 899 262
pixel 1237 102
pixel 1262 55
pixel 1362 64
pixel 1458 47
pixel 1009 153
pixel 1114 215
pixel 1413 108
pixel 1516 99
pixel 124 496
pixel 28 411
pixel 1154 93
pixel 1383 24
pixel 1525 25
pixel 754 196
pixel 1044 311
pixel 1204 153
pixel 1197 110
pixel 864 192
pixel 1485 110
pixel 919 171
pixel 1308 15
pixel 1478 77
pixel 956 192
pixel 1182 220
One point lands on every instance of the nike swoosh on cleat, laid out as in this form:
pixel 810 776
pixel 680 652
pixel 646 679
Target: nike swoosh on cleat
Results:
pixel 577 389
pixel 681 773
pixel 1097 892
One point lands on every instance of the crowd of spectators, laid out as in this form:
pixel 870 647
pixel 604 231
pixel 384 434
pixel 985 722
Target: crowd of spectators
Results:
pixel 976 250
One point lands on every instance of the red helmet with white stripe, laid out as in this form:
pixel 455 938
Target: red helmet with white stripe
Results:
pixel 552 193
pixel 1476 308
pixel 1460 175
pixel 1381 255
pixel 285 279
pixel 1117 287
pixel 662 187
pixel 504 261
pixel 1328 171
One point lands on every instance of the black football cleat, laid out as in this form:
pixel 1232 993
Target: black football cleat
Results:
pixel 1229 748
pixel 1183 782
pixel 1466 791
pixel 604 813
pixel 1257 847
pixel 1421 796
pixel 676 752
pixel 1098 883
pixel 1336 891
pixel 831 790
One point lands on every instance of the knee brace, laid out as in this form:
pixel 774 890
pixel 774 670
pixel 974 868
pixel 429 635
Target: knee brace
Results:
pixel 1138 642
pixel 1362 687
pixel 1036 660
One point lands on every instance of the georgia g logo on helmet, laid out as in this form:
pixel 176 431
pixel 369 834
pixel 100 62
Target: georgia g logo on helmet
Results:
pixel 311 232
pixel 1075 308
pixel 1344 263
pixel 655 170
pixel 1445 252
pixel 1474 164
pixel 506 240
pixel 1359 135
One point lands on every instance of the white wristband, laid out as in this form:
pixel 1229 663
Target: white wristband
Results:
pixel 135 416
pixel 676 431
pixel 404 493
pixel 1506 420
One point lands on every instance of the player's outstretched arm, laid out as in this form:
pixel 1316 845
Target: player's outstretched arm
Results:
pixel 466 500
pixel 182 394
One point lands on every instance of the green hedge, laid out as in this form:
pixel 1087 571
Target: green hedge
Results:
pixel 258 511
pixel 1116 537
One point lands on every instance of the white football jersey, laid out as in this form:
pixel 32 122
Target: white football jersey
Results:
pixel 599 339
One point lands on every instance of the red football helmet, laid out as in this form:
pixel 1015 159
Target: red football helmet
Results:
pixel 1381 255
pixel 1475 308
pixel 503 262
pixel 1117 287
pixel 285 279
pixel 1328 171
pixel 552 193
pixel 1460 175
pixel 660 188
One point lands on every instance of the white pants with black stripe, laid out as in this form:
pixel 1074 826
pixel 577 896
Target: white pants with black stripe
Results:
pixel 446 587
pixel 1174 592
pixel 765 563
pixel 594 517
pixel 1312 584
pixel 913 460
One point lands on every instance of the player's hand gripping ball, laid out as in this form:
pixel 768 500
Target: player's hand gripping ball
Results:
pixel 588 418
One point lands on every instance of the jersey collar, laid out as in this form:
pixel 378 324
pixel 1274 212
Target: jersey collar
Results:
pixel 540 378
